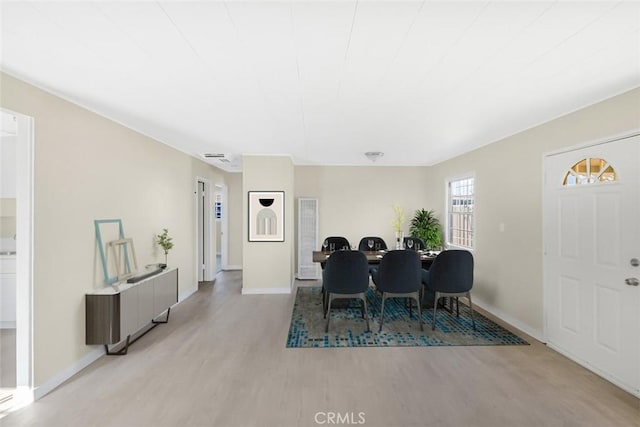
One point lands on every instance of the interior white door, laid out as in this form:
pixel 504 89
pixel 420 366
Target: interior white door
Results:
pixel 592 237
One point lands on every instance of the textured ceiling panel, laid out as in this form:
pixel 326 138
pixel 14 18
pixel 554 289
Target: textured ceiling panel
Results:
pixel 326 81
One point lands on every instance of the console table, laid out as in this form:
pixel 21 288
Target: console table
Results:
pixel 116 313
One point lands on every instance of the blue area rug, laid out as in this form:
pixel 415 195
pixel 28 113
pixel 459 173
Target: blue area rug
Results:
pixel 348 328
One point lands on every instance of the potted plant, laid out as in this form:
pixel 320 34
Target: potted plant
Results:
pixel 396 223
pixel 165 242
pixel 426 226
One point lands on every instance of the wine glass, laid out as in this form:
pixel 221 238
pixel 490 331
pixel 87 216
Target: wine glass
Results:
pixel 410 243
pixel 324 245
pixel 417 246
pixel 370 244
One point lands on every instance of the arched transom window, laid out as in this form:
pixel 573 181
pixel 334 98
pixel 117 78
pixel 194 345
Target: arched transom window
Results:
pixel 588 171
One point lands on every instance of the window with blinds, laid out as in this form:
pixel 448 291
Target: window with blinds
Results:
pixel 460 212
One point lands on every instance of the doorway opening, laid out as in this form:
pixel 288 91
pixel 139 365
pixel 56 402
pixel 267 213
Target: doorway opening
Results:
pixel 221 227
pixel 16 234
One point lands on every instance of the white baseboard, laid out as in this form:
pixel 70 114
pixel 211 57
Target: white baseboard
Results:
pixel 232 267
pixel 183 296
pixel 7 325
pixel 608 377
pixel 265 291
pixel 85 361
pixel 50 385
pixel 509 319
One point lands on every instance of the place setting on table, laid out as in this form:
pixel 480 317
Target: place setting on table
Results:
pixel 374 252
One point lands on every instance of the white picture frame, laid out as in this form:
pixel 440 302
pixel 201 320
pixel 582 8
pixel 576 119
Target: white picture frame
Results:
pixel 266 216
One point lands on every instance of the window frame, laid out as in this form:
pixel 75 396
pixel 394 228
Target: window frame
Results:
pixel 447 204
pixel 590 179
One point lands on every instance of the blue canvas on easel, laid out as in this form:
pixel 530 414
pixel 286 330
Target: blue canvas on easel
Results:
pixel 110 279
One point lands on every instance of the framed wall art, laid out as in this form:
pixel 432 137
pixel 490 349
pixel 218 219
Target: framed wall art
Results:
pixel 266 216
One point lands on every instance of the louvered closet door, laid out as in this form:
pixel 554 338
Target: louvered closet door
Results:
pixel 307 238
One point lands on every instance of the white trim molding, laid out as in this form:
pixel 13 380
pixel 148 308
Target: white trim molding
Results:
pixel 183 296
pixel 50 385
pixel 534 333
pixel 266 291
pixel 209 229
pixel 626 387
pixel 232 268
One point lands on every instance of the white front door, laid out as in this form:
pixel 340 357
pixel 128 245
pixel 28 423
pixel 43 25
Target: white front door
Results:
pixel 592 244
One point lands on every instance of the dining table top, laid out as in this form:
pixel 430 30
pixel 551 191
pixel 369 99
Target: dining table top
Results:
pixel 372 256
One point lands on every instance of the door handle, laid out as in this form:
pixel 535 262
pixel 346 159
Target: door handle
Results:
pixel 632 281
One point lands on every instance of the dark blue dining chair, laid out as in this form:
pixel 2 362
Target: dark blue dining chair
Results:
pixel 451 275
pixel 378 244
pixel 346 276
pixel 399 276
pixel 339 243
pixel 415 242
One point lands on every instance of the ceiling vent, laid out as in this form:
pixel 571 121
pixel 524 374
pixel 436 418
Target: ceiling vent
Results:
pixel 213 156
pixel 373 155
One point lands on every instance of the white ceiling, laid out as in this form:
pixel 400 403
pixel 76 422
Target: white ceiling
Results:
pixel 326 81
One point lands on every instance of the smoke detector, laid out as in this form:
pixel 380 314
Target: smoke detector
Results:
pixel 374 155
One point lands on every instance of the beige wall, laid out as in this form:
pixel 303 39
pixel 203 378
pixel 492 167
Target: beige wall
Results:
pixel 357 201
pixel 234 219
pixel 268 266
pixel 509 191
pixel 86 168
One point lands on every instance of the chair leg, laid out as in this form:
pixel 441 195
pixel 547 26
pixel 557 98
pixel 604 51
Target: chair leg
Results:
pixel 382 312
pixel 328 314
pixel 366 313
pixel 410 307
pixel 435 310
pixel 473 321
pixel 324 302
pixel 419 312
pixel 457 307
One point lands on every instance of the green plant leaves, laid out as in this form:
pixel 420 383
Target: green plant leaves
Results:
pixel 164 241
pixel 426 226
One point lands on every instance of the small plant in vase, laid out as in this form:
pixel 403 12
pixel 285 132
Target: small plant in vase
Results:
pixel 396 223
pixel 165 242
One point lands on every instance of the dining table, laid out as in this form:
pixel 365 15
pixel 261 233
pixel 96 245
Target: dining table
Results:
pixel 374 257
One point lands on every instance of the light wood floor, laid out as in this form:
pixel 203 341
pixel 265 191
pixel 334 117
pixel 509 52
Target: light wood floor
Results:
pixel 222 361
